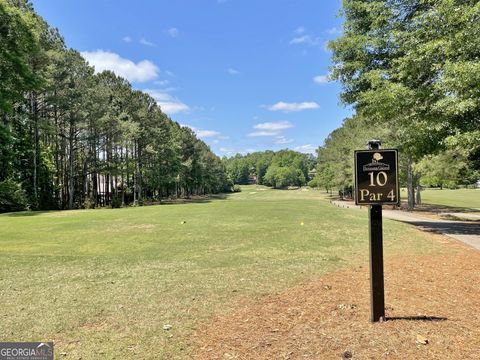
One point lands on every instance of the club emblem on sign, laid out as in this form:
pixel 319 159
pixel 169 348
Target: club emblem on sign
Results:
pixel 376 164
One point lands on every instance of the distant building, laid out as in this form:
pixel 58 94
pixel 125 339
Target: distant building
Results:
pixel 252 180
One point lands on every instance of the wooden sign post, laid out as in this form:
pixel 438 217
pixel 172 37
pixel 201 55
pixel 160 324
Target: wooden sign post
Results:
pixel 376 183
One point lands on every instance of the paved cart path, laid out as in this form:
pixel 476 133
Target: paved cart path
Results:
pixel 467 232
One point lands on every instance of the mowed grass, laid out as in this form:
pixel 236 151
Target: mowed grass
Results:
pixel 103 283
pixel 460 198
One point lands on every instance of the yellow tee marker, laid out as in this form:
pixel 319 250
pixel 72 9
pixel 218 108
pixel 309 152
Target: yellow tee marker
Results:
pixel 301 224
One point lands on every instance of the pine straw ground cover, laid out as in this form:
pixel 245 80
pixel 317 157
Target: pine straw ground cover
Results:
pixel 432 309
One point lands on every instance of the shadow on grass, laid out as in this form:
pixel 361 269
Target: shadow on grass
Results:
pixel 332 196
pixel 26 213
pixel 439 209
pixel 442 210
pixel 193 200
pixel 449 227
pixel 416 318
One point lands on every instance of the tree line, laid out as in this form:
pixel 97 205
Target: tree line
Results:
pixel 276 169
pixel 411 71
pixel 70 138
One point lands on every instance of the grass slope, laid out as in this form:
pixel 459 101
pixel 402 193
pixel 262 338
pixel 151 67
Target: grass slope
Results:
pixel 462 198
pixel 103 283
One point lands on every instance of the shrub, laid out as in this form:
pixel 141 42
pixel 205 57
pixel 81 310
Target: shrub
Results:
pixel 237 188
pixel 450 184
pixel 313 183
pixel 116 202
pixel 12 197
pixel 89 203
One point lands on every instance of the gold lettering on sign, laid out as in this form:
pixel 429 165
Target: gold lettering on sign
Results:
pixel 381 178
pixel 365 193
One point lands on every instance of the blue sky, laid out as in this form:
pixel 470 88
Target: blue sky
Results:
pixel 246 75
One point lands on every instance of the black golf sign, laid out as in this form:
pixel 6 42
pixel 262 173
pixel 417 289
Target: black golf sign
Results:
pixel 376 177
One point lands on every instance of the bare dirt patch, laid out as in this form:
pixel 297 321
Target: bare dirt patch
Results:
pixel 432 304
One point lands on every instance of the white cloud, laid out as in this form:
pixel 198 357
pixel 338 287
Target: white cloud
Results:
pixel 334 31
pixel 206 133
pixel 306 149
pixel 162 82
pixel 169 89
pixel 306 40
pixel 145 42
pixel 283 140
pixel 270 128
pixel 321 79
pixel 201 133
pixel 274 126
pixel 233 71
pixel 172 107
pixel 263 133
pixel 232 151
pixel 127 39
pixel 291 107
pixel 173 32
pixel 142 71
pixel 325 47
pixel 300 39
pixel 168 103
pixel 300 30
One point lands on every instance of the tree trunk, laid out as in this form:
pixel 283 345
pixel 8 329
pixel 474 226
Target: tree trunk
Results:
pixel 94 172
pixel 410 189
pixel 418 195
pixel 64 166
pixel 139 173
pixel 127 167
pixel 108 188
pixel 71 165
pixel 135 176
pixel 85 182
pixel 114 171
pixel 122 176
pixel 34 114
pixel 57 153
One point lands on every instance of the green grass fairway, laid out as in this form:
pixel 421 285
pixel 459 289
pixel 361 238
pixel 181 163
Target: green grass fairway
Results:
pixel 103 283
pixel 460 198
